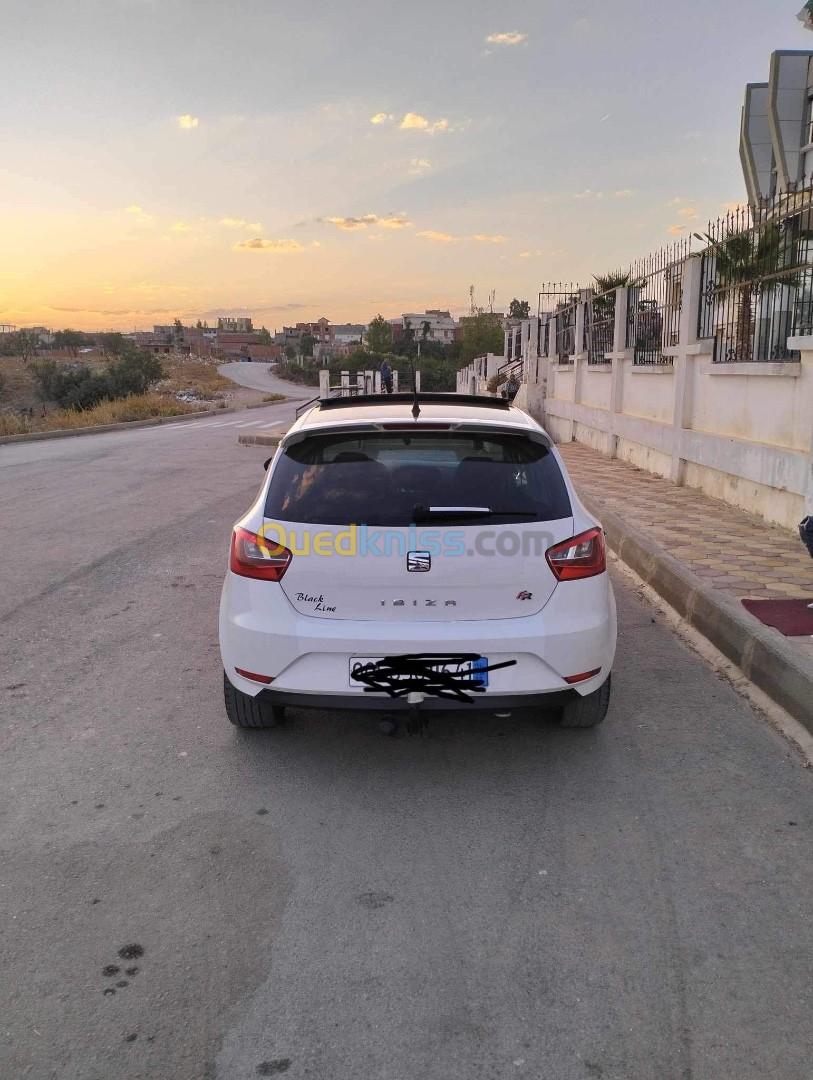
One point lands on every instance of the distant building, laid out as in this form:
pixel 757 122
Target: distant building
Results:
pixel 776 134
pixel 430 325
pixel 348 333
pixel 236 324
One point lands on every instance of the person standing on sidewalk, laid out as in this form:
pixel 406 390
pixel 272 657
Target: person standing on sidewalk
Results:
pixel 386 376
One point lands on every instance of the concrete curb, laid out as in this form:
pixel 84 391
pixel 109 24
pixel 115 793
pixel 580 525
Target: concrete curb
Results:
pixel 128 425
pixel 763 654
pixel 64 433
pixel 270 404
pixel 261 440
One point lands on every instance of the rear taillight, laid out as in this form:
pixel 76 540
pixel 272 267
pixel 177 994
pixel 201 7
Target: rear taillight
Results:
pixel 257 557
pixel 580 557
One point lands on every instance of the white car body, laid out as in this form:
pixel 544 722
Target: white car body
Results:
pixel 298 638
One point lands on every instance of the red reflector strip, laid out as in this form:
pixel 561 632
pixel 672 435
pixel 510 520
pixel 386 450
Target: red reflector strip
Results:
pixel 585 675
pixel 254 677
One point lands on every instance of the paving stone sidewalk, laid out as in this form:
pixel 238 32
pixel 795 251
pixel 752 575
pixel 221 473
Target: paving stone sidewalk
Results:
pixel 729 549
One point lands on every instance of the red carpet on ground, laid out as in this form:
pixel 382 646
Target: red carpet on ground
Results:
pixel 792 617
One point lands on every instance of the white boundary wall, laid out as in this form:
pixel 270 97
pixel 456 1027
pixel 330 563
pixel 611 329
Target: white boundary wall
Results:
pixel 740 432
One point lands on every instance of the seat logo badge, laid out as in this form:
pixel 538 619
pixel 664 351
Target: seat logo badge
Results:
pixel 418 562
pixel 525 595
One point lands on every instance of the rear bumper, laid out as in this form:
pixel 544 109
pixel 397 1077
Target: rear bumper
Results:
pixel 383 703
pixel 309 658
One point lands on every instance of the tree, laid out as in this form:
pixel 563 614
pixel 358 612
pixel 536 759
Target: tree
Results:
pixel 72 340
pixel 198 325
pixel 290 352
pixel 27 342
pixel 744 261
pixel 379 335
pixel 482 333
pixel 306 343
pixel 177 331
pixel 112 344
pixel 606 284
pixel 77 387
pixel 134 372
pixel 426 329
pixel 263 336
pixel 519 309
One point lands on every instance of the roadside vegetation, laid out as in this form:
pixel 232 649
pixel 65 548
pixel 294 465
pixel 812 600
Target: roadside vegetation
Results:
pixel 116 383
pixel 124 410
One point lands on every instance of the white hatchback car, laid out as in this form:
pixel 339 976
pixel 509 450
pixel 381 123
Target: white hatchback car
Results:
pixel 417 553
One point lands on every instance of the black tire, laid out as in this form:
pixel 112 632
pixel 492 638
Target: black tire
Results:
pixel 589 711
pixel 247 712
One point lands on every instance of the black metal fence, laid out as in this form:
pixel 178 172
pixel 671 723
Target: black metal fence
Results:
pixel 599 326
pixel 757 280
pixel 655 299
pixel 566 332
pixel 756 292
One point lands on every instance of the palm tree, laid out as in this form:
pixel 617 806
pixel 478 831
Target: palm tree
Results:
pixel 745 263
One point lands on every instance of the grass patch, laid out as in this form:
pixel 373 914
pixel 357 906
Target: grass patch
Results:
pixel 122 411
pixel 274 397
pixel 197 376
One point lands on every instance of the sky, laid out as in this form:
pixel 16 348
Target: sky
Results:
pixel 195 158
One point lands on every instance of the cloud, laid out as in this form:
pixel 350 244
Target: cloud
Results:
pixel 529 254
pixel 688 211
pixel 512 37
pixel 415 122
pixel 588 193
pixel 418 166
pixel 437 237
pixel 484 238
pixel 183 227
pixel 734 207
pixel 352 224
pixel 240 223
pixel 677 230
pixel 139 214
pixel 187 122
pixel 278 247
pixel 381 118
pixel 624 193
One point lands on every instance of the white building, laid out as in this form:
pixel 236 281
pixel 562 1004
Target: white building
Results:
pixel 776 135
pixel 348 333
pixel 431 325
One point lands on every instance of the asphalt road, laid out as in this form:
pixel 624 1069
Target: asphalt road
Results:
pixel 260 377
pixel 500 899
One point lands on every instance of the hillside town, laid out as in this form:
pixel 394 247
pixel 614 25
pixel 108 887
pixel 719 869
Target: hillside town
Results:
pixel 237 338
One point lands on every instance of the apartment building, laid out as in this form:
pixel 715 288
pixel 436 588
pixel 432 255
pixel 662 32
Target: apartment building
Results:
pixel 776 132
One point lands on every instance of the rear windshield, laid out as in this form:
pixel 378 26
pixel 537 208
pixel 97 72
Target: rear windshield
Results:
pixel 382 478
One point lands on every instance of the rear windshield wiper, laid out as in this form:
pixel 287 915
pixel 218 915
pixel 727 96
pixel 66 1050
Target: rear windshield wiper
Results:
pixel 424 513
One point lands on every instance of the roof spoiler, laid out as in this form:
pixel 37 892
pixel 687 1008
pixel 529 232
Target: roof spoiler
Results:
pixel 428 398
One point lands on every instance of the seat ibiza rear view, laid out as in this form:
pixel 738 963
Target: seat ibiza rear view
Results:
pixel 417 553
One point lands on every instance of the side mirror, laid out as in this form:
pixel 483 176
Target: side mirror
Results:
pixel 266 463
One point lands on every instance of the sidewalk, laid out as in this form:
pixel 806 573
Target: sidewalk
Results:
pixel 704 557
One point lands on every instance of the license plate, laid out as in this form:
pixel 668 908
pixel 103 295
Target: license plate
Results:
pixel 471 670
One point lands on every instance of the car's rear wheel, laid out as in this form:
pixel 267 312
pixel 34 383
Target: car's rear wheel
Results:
pixel 588 711
pixel 247 712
